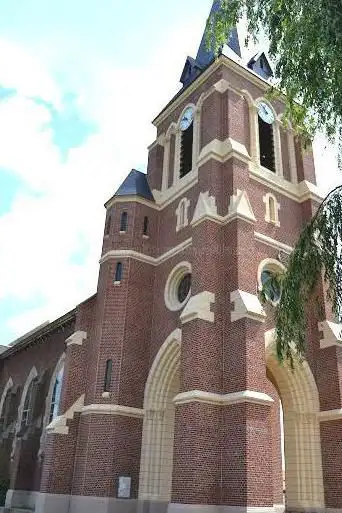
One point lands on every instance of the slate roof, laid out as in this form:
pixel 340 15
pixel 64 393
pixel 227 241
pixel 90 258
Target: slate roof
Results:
pixel 135 184
pixel 260 64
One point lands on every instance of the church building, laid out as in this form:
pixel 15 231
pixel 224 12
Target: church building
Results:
pixel 161 393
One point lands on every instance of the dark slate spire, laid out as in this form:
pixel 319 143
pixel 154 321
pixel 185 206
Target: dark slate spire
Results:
pixel 135 184
pixel 193 67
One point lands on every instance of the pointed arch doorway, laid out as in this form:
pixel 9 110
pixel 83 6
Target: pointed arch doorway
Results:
pixel 302 445
pixel 298 392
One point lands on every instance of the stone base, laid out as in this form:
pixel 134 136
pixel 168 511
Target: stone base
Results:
pixel 202 508
pixel 51 503
pixel 21 499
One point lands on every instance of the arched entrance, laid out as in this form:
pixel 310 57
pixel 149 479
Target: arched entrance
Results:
pixel 300 401
pixel 158 431
pixel 298 392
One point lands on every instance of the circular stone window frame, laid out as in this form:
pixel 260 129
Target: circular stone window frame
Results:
pixel 271 265
pixel 171 288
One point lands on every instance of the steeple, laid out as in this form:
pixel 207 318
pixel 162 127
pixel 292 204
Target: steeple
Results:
pixel 205 56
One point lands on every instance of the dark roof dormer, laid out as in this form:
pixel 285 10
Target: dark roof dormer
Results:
pixel 261 65
pixel 205 56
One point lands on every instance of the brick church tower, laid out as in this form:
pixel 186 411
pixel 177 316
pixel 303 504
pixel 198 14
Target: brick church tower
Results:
pixel 170 395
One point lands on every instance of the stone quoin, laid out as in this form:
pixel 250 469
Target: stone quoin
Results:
pixel 161 393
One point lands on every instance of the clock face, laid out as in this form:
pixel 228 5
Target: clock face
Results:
pixel 265 112
pixel 187 119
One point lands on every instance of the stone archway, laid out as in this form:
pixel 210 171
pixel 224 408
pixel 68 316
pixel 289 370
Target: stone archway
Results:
pixel 158 431
pixel 303 461
pixel 299 396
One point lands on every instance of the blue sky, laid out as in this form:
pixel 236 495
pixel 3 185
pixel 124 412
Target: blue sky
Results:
pixel 80 83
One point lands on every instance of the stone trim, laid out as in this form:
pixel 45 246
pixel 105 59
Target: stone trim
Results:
pixel 182 214
pixel 32 375
pixel 246 305
pixel 332 334
pixel 131 199
pixel 199 307
pixel 128 253
pixel 165 198
pixel 276 244
pixel 7 389
pixel 240 206
pixel 326 416
pixel 76 339
pixel 223 151
pixel 112 409
pixel 205 208
pixel 245 396
pixel 171 286
pixel 300 192
pixel 48 400
pixel 267 201
pixel 59 424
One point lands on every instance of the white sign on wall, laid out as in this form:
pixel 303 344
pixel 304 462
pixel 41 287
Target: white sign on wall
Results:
pixel 124 490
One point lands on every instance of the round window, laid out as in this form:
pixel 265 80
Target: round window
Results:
pixel 178 287
pixel 272 288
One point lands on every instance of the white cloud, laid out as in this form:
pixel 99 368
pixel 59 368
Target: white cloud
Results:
pixel 23 71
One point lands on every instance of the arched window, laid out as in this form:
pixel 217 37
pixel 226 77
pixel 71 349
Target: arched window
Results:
pixel 145 226
pixel 108 376
pixel 182 214
pixel 26 416
pixel 266 121
pixel 118 272
pixel 56 395
pixel 124 222
pixel 108 225
pixel 187 140
pixel 272 208
pixel 268 279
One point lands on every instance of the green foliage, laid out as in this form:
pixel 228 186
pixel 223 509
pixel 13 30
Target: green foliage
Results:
pixel 317 253
pixel 306 43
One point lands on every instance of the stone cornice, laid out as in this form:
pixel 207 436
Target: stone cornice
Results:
pixel 245 396
pixel 131 199
pixel 128 253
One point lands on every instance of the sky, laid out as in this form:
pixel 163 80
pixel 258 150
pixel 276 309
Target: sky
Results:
pixel 80 83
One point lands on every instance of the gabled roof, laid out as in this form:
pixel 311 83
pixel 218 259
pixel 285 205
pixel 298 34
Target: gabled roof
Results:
pixel 260 64
pixel 135 184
